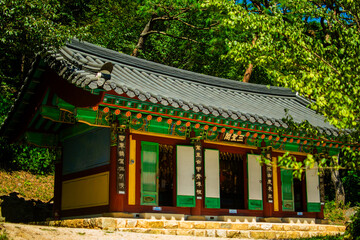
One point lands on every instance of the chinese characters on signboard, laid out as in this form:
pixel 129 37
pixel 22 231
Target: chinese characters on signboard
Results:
pixel 120 164
pixel 198 170
pixel 230 137
pixel 269 184
pixel 269 181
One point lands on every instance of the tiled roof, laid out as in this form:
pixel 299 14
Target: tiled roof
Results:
pixel 79 62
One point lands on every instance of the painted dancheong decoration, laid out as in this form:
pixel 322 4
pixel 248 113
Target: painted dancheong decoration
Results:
pixel 137 136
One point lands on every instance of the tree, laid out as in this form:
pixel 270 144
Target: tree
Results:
pixel 182 34
pixel 311 47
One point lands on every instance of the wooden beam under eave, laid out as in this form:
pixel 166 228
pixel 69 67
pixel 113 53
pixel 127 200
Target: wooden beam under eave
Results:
pixel 70 93
pixel 42 139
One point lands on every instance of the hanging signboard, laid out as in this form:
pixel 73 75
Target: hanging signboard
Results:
pixel 269 184
pixel 266 152
pixel 231 137
pixel 198 170
pixel 120 164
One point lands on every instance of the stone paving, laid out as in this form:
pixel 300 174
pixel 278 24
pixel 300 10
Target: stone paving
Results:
pixel 254 230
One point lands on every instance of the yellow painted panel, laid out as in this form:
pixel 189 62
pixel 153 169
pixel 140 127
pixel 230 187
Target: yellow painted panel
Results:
pixel 132 172
pixel 89 191
pixel 275 184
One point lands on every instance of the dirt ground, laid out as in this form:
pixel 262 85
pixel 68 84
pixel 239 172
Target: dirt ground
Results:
pixel 30 232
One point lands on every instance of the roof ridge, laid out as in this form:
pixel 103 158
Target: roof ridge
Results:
pixel 176 72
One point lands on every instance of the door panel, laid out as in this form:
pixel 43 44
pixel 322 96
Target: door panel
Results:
pixel 287 190
pixel 313 190
pixel 149 176
pixel 212 178
pixel 254 182
pixel 185 176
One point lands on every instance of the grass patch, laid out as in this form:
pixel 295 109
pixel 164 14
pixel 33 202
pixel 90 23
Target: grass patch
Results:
pixel 29 186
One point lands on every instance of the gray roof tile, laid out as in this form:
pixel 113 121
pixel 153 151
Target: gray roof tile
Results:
pixel 166 85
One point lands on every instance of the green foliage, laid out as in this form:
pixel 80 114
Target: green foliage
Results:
pixel 4 236
pixel 28 158
pixel 353 229
pixel 351 183
pixel 308 46
pixel 35 160
pixel 335 213
pixel 336 237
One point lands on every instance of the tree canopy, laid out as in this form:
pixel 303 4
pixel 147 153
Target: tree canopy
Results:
pixel 312 47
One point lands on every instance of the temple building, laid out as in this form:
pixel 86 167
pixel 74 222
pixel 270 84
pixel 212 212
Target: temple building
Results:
pixel 135 137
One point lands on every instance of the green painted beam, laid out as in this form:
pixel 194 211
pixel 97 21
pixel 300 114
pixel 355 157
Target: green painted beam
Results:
pixel 42 139
pixel 74 130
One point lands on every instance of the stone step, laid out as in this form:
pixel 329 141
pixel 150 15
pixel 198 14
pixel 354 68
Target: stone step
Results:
pixel 256 230
pixel 253 234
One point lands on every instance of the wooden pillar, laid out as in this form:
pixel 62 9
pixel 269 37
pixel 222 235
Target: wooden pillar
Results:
pixel 117 170
pixel 268 203
pixel 320 215
pixel 199 178
pixel 58 185
pixel 268 183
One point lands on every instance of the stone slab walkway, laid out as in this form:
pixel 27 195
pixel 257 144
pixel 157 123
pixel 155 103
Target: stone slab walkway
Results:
pixel 252 230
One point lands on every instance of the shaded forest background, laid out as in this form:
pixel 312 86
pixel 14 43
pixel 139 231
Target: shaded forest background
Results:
pixel 311 47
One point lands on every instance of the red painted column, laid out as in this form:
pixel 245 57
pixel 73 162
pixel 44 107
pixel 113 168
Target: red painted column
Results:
pixel 196 211
pixel 199 190
pixel 268 207
pixel 116 201
pixel 320 215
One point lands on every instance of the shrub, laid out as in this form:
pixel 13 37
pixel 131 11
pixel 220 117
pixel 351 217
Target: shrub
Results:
pixel 335 212
pixel 27 158
pixel 353 228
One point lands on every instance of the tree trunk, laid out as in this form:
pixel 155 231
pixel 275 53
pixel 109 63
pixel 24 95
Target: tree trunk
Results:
pixel 248 72
pixel 141 42
pixel 338 185
pixel 250 68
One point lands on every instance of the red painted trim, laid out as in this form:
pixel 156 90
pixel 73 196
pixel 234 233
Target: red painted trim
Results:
pixel 320 215
pixel 85 211
pixel 116 201
pixel 174 179
pixel 197 210
pixel 213 123
pixel 87 172
pixel 230 149
pixel 223 211
pixel 183 118
pixel 281 213
pixel 246 192
pixel 149 209
pixel 71 93
pixel 294 214
pixel 237 150
pixel 161 140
